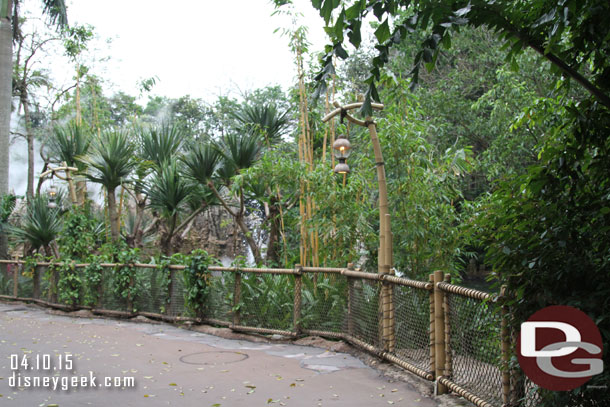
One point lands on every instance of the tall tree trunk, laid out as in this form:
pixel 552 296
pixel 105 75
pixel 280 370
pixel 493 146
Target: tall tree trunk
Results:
pixel 81 192
pixel 274 231
pixel 6 82
pixel 30 141
pixel 239 219
pixel 238 216
pixel 167 235
pixel 113 214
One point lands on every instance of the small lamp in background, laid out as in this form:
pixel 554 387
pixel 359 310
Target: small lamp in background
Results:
pixel 342 149
pixel 52 195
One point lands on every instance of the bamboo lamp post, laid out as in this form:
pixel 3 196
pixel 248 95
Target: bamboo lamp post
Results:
pixel 385 257
pixel 51 172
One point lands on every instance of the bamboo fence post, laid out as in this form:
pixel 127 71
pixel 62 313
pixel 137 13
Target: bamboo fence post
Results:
pixel 350 302
pixel 439 333
pixel 236 298
pixel 505 338
pixel 296 315
pixel 100 291
pixel 448 360
pixel 52 297
pixel 432 340
pixel 36 282
pixel 16 280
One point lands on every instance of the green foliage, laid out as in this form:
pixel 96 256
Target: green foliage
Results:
pixel 91 280
pixel 40 225
pixel 168 191
pixel 124 277
pixel 80 233
pixel 56 12
pixel 542 26
pixel 160 144
pixel 122 109
pixel 201 162
pixel 196 282
pixel 265 121
pixel 7 206
pixel 240 151
pixel 324 302
pixel 68 143
pixel 30 264
pixel 75 39
pixel 69 283
pixel 547 232
pixel 111 159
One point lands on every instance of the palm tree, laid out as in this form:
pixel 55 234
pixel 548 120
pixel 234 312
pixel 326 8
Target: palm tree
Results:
pixel 40 226
pixel 68 144
pixel 9 30
pixel 168 192
pixel 157 147
pixel 110 163
pixel 271 124
pixel 161 144
pixel 264 120
pixel 210 164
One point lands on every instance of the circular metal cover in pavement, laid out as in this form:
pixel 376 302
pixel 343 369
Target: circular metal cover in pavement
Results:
pixel 221 357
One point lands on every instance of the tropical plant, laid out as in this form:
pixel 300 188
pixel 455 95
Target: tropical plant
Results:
pixel 161 144
pixel 264 120
pixel 67 144
pixel 240 150
pixel 196 282
pixel 81 232
pixel 219 164
pixel 40 226
pixel 168 191
pixel 111 162
pixel 7 206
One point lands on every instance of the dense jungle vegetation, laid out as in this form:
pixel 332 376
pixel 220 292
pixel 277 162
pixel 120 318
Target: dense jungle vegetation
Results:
pixel 494 134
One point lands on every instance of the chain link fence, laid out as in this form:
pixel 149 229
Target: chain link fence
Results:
pixel 459 344
pixel 412 307
pixel 474 346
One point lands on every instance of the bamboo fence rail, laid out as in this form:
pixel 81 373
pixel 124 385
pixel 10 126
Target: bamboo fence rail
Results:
pixel 443 332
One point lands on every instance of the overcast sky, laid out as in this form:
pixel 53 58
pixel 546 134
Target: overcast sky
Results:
pixel 199 47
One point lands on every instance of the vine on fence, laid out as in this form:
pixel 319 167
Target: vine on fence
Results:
pixel 197 282
pixel 92 278
pixel 124 277
pixel 69 283
pixel 30 264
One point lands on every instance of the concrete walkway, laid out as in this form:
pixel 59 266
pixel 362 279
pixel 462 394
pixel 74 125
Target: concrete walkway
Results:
pixel 173 366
